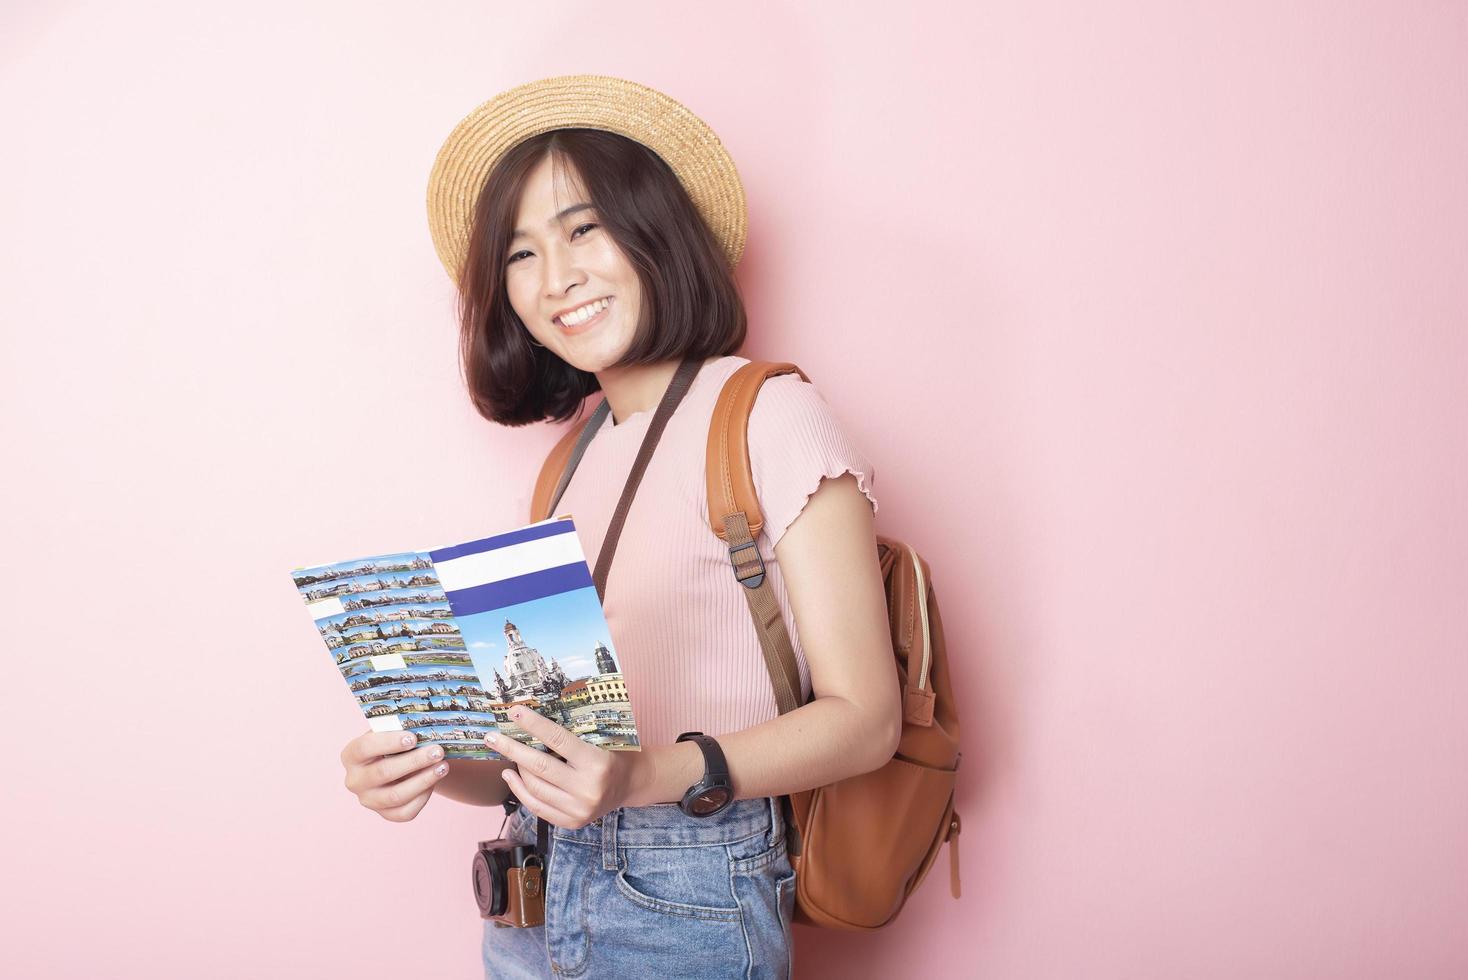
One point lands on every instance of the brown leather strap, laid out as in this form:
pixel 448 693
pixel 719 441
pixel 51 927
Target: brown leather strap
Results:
pixel 568 466
pixel 554 467
pixel 734 514
pixel 677 388
pixel 730 477
pixel 954 826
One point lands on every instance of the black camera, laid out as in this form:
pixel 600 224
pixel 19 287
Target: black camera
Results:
pixel 509 883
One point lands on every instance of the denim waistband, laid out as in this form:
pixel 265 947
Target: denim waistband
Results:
pixel 666 825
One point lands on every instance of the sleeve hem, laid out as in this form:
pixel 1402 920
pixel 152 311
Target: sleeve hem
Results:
pixel 774 529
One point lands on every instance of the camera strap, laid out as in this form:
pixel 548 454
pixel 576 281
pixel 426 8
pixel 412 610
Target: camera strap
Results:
pixel 677 388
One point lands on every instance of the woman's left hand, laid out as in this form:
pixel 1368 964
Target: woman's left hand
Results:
pixel 571 793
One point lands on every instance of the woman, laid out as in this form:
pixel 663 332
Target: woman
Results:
pixel 587 262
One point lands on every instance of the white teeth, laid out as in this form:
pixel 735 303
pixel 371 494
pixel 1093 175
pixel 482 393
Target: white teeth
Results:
pixel 583 313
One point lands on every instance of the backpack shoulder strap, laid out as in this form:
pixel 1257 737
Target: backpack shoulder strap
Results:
pixel 730 475
pixel 560 463
pixel 735 516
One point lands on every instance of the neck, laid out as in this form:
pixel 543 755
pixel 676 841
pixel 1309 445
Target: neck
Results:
pixel 636 387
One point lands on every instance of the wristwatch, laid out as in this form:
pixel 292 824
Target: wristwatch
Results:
pixel 714 792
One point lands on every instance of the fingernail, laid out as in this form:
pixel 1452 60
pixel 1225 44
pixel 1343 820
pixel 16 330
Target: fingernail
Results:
pixel 442 769
pixel 409 738
pixel 435 753
pixel 491 738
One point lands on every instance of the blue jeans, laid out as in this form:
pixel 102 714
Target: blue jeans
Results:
pixel 651 891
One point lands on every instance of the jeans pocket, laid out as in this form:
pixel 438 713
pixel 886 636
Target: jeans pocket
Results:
pixel 691 881
pixel 765 883
pixel 785 901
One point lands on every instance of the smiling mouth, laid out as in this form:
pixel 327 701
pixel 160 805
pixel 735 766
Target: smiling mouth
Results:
pixel 587 323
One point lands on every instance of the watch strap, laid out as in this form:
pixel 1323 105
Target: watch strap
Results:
pixel 714 763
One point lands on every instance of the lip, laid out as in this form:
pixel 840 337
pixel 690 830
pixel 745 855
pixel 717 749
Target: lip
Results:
pixel 586 324
pixel 578 306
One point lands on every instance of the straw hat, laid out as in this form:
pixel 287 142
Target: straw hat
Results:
pixel 646 115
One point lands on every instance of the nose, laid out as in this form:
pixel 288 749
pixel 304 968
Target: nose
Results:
pixel 561 271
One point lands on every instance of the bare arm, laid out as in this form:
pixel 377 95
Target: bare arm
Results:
pixel 828 557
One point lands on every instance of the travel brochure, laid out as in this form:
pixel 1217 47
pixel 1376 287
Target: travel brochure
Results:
pixel 443 642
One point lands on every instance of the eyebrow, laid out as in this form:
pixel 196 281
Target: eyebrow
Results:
pixel 522 233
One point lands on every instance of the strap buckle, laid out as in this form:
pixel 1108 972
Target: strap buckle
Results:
pixel 755 579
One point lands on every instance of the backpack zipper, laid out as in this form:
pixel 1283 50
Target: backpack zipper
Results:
pixel 922 587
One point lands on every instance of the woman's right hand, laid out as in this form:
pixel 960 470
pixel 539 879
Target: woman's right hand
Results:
pixel 389 775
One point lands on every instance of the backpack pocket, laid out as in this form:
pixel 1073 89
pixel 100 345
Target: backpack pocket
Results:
pixel 858 871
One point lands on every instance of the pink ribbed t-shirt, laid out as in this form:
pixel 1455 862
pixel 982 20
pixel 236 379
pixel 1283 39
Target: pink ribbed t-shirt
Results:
pixel 681 629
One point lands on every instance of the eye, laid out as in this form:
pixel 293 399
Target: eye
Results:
pixel 579 228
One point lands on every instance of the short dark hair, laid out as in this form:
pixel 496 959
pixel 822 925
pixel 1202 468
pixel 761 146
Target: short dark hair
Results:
pixel 691 305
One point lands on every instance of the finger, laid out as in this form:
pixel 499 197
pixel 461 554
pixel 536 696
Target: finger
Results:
pixel 404 790
pixel 536 805
pixel 542 764
pixel 370 745
pixel 553 736
pixel 391 768
pixel 558 796
pixel 409 810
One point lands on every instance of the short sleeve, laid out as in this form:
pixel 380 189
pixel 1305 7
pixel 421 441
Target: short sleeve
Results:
pixel 796 440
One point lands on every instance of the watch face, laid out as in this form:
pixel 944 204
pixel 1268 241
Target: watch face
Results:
pixel 709 801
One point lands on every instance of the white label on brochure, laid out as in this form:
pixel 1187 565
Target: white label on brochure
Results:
pixel 510 561
pixel 326 607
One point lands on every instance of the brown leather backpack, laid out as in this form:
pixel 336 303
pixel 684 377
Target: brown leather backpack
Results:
pixel 859 846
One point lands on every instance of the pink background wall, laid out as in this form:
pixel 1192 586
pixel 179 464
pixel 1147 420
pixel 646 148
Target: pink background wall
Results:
pixel 1152 320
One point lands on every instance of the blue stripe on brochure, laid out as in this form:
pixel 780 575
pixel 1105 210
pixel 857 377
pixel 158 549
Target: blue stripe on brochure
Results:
pixel 534 533
pixel 521 588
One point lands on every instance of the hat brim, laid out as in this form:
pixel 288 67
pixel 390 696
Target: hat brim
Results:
pixel 664 125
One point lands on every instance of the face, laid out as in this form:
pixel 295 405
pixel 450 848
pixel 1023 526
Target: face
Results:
pixel 561 260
